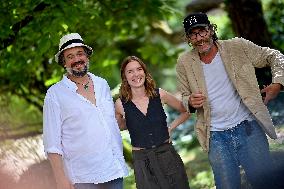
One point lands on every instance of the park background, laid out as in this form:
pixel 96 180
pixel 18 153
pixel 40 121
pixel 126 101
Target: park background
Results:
pixel 150 29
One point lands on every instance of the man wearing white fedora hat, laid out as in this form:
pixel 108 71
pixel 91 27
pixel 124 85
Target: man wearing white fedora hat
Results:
pixel 80 133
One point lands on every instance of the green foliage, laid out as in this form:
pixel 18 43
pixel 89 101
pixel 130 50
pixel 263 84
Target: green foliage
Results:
pixel 30 33
pixel 203 179
pixel 127 152
pixel 198 168
pixel 18 118
pixel 129 181
pixel 224 25
pixel 275 21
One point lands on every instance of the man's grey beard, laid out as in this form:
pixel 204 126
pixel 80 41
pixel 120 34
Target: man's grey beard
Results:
pixel 76 73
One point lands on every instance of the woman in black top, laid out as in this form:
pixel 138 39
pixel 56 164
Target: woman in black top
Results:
pixel 139 109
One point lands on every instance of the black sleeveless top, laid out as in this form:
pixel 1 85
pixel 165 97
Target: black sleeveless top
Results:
pixel 146 131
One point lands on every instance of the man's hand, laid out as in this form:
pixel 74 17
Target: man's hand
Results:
pixel 196 100
pixel 271 91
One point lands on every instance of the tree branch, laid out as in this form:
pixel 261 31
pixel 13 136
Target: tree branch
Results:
pixel 19 25
pixel 174 38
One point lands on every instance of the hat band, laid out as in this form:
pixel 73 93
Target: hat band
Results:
pixel 70 42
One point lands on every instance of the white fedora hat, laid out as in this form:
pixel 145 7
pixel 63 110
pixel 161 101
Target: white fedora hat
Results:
pixel 69 41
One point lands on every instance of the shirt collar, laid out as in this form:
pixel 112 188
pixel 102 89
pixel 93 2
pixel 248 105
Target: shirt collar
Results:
pixel 70 84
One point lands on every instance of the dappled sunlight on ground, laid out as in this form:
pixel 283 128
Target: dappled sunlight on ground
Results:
pixel 18 155
pixel 23 165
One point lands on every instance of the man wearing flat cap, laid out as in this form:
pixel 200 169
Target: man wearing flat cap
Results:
pixel 80 133
pixel 217 81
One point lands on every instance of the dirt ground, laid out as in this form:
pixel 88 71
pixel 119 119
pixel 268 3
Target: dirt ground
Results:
pixel 40 176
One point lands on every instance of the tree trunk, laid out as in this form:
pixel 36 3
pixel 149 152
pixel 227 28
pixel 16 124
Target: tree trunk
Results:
pixel 248 22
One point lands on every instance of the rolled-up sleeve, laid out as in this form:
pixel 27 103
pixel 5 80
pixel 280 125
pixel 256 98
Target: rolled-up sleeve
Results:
pixel 52 126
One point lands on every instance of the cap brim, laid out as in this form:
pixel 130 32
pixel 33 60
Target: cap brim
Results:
pixel 71 46
pixel 195 26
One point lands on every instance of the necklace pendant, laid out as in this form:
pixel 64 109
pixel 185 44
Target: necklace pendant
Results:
pixel 86 87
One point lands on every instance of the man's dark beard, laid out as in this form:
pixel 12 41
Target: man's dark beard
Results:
pixel 78 73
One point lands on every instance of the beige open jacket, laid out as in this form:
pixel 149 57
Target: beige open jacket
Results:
pixel 240 57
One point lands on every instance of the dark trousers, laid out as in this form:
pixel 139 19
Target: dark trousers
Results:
pixel 159 168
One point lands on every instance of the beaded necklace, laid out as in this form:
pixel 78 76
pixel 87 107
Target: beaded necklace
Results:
pixel 86 86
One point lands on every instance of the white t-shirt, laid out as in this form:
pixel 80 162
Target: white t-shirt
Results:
pixel 227 109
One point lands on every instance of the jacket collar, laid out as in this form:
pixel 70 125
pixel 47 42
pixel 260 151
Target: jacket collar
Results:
pixel 225 54
pixel 228 61
pixel 198 71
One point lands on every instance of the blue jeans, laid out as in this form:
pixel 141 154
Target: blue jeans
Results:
pixel 113 184
pixel 245 145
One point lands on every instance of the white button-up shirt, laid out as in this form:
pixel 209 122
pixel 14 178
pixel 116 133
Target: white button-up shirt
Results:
pixel 86 135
